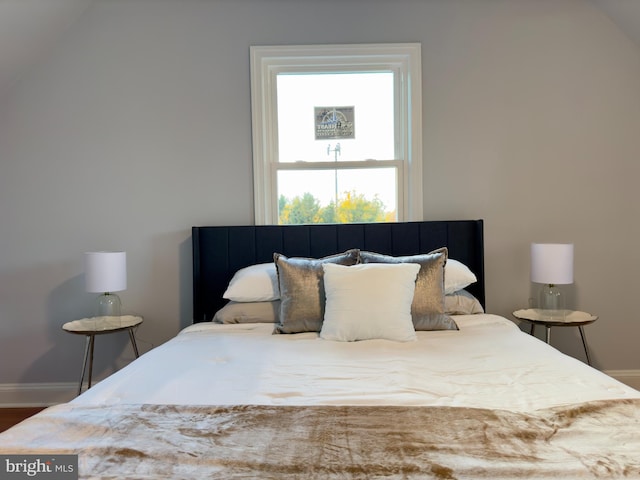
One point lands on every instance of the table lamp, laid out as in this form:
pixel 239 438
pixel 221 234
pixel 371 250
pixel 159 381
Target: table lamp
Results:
pixel 106 272
pixel 551 265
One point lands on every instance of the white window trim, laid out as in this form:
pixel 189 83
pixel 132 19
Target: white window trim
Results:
pixel 268 61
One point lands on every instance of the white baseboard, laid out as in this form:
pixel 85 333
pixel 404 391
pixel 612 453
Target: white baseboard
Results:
pixel 36 394
pixel 46 394
pixel 629 377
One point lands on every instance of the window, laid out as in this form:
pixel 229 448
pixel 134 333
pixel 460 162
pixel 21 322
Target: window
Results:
pixel 337 133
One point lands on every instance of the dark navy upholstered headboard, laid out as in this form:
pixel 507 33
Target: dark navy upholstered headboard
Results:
pixel 218 252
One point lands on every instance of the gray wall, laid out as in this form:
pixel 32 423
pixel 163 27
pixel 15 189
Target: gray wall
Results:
pixel 136 125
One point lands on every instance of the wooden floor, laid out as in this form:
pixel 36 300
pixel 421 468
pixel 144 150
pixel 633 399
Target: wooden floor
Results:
pixel 10 416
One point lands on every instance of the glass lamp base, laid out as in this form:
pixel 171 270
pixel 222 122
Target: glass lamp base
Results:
pixel 108 305
pixel 551 302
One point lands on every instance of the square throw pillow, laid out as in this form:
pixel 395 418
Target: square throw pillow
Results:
pixel 255 283
pixel 301 286
pixel 248 312
pixel 367 302
pixel 427 309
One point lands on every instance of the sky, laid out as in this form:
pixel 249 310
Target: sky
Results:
pixel 371 96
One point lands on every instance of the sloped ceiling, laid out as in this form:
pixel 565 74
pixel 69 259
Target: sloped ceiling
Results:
pixel 29 27
pixel 625 13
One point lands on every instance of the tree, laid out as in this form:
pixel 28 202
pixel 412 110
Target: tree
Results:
pixel 328 214
pixel 355 207
pixel 352 207
pixel 299 210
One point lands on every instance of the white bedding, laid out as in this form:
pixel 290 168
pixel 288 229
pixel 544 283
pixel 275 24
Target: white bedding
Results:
pixel 488 363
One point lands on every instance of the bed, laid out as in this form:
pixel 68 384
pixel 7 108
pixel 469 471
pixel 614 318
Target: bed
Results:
pixel 417 386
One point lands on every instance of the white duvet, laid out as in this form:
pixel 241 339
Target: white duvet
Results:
pixel 488 363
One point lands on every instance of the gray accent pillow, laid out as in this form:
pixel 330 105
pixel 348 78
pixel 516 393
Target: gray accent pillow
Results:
pixel 302 297
pixel 248 312
pixel 427 309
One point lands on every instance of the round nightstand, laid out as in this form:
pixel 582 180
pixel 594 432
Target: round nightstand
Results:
pixel 99 326
pixel 571 318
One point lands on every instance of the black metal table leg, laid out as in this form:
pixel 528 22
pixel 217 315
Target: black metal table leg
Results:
pixel 584 344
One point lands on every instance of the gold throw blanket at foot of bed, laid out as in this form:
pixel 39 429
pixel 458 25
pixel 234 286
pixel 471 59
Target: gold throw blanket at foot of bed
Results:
pixel 591 440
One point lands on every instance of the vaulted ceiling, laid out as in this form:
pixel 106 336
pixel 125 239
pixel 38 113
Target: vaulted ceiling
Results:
pixel 625 13
pixel 28 28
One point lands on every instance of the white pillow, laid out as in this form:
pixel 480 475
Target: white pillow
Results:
pixel 256 283
pixel 369 301
pixel 457 276
pixel 259 283
pixel 462 303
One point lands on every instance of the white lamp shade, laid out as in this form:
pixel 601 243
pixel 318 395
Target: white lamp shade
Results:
pixel 105 271
pixel 552 263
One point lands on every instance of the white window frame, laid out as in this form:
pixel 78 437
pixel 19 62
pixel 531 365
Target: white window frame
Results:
pixel 404 59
